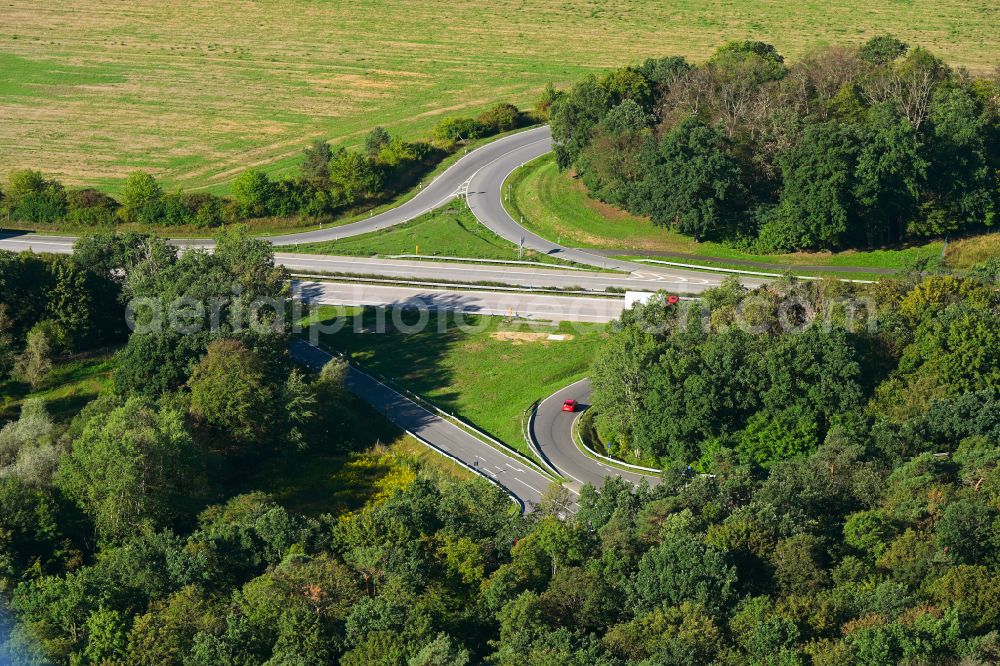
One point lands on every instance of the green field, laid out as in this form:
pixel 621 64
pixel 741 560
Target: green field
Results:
pixel 556 206
pixel 198 91
pixel 487 376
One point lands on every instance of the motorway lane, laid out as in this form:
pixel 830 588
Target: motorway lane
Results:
pixel 646 279
pixel 552 430
pixel 480 174
pixel 21 241
pixel 532 307
pixel 525 484
pixel 523 276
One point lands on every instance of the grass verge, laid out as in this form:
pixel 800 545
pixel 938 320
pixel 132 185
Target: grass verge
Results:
pixel 746 271
pixel 556 206
pixel 966 252
pixel 449 231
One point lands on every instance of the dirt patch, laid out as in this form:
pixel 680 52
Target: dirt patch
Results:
pixel 520 337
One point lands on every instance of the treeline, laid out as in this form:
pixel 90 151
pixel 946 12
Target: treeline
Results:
pixel 772 373
pixel 204 394
pixel 845 148
pixel 330 181
pixel 203 333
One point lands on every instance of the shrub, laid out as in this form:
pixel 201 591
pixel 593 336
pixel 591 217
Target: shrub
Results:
pixel 197 209
pixel 30 197
pixel 397 152
pixel 353 176
pixel 455 130
pixel 90 207
pixel 253 191
pixel 500 118
pixel 376 140
pixel 142 199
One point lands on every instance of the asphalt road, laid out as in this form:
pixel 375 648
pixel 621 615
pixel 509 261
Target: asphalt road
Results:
pixel 644 278
pixel 525 484
pixel 485 196
pixel 438 192
pixel 552 430
pixel 478 175
pixel 532 307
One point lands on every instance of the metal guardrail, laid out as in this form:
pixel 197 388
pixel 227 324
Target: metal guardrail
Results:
pixel 430 406
pixel 517 500
pixel 527 420
pixel 578 438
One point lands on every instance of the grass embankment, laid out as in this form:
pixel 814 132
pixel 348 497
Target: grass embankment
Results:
pixel 450 231
pixel 966 252
pixel 749 271
pixel 487 376
pixel 197 92
pixel 556 206
pixel 69 386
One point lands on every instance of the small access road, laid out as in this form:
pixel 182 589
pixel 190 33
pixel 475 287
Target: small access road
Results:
pixel 524 484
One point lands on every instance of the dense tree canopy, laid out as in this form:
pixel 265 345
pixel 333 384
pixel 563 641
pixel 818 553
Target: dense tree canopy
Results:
pixel 829 493
pixel 845 148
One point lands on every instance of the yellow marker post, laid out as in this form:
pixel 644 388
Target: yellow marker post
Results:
pixel 418 250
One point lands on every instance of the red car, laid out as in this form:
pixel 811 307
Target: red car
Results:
pixel 569 406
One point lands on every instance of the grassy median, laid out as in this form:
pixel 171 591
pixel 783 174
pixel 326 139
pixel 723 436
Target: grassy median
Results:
pixel 487 376
pixel 450 231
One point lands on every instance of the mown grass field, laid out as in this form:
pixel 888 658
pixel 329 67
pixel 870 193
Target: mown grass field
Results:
pixel 198 91
pixel 487 374
pixel 557 206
